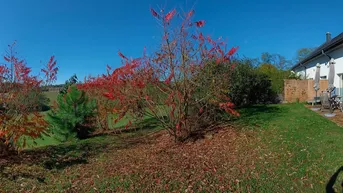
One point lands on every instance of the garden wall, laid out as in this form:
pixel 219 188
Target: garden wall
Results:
pixel 302 90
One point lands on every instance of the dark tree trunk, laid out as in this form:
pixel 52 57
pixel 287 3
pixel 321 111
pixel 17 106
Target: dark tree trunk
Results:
pixel 83 131
pixel 5 149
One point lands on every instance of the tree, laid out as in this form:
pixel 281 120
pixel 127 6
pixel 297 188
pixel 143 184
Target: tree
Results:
pixel 173 70
pixel 302 53
pixel 72 80
pixel 20 118
pixel 276 76
pixel 95 90
pixel 280 62
pixel 72 115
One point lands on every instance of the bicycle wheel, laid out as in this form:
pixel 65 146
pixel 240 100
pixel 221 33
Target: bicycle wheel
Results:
pixel 332 107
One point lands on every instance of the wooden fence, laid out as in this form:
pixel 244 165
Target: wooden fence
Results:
pixel 302 90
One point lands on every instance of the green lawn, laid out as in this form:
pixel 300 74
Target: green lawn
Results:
pixel 302 149
pixel 44 140
pixel 52 96
pixel 274 148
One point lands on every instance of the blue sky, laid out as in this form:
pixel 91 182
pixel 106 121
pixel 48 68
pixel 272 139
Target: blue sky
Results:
pixel 85 35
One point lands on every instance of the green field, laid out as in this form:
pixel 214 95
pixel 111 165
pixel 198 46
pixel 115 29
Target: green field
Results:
pixel 275 148
pixel 52 96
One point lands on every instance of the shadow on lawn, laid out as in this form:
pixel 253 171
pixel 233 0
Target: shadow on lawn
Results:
pixel 141 126
pixel 149 123
pixel 252 110
pixel 65 155
pixel 55 157
pixel 36 163
pixel 258 114
pixel 332 181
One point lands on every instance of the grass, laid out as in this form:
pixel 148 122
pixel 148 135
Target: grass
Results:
pixel 302 149
pixel 274 148
pixel 52 96
pixel 44 140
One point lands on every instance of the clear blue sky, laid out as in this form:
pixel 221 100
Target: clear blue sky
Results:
pixel 85 35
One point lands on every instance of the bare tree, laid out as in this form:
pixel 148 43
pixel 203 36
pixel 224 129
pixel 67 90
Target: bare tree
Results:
pixel 276 60
pixel 302 54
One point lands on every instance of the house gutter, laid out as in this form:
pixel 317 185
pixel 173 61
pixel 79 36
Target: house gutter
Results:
pixel 323 54
pixel 328 49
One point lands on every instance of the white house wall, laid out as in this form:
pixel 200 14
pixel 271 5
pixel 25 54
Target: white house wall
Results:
pixel 324 68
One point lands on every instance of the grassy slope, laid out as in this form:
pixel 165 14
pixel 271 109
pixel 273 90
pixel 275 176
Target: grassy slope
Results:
pixel 302 149
pixel 297 151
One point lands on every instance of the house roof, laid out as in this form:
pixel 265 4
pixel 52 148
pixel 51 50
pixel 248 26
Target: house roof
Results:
pixel 327 46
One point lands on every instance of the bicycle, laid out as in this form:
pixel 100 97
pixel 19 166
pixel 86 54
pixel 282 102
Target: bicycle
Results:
pixel 335 103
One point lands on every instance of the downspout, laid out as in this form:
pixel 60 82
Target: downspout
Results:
pixel 304 70
pixel 330 58
pixel 325 54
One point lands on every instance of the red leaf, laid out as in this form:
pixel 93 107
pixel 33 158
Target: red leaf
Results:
pixel 109 95
pixel 178 126
pixel 220 51
pixel 108 67
pixel 201 37
pixel 153 12
pixel 232 51
pixel 170 15
pixel 211 41
pixel 51 61
pixel 218 61
pixel 194 37
pixel 190 13
pixel 167 81
pixel 200 23
pixel 212 50
pixel 122 55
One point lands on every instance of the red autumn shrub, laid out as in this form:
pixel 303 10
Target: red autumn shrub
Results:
pixel 174 84
pixel 19 117
pixel 95 89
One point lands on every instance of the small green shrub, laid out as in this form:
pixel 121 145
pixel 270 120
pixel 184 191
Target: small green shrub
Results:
pixel 73 115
